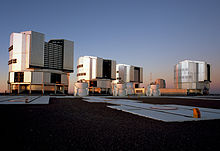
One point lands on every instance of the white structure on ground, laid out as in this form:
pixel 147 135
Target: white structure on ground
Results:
pixel 123 89
pixel 36 65
pixel 81 89
pixel 193 76
pixel 97 72
pixel 130 76
pixel 119 89
pixel 153 90
pixel 129 88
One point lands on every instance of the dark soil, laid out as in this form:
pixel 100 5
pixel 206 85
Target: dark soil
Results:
pixel 72 124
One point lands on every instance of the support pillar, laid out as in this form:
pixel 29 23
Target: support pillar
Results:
pixel 30 89
pixel 55 89
pixel 42 89
pixel 63 89
pixel 18 88
pixel 10 88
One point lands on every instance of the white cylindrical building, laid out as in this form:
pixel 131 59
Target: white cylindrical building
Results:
pixel 120 89
pixel 81 89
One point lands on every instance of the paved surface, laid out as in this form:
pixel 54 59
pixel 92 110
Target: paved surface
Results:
pixel 24 99
pixel 166 113
pixel 177 97
pixel 67 124
pixel 66 97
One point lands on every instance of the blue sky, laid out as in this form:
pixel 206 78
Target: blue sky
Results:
pixel 155 34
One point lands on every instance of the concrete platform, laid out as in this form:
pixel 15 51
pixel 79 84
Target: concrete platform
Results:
pixel 166 113
pixel 24 99
pixel 182 97
pixel 68 96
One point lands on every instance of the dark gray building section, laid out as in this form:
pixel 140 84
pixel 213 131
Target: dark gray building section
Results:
pixel 53 56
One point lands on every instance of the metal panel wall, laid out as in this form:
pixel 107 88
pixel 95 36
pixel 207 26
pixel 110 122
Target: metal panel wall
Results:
pixel 37 77
pixel 113 69
pixel 188 74
pixel 46 77
pixel 99 67
pixel 64 79
pixel 103 83
pixel 141 74
pixel 127 71
pixel 68 55
pixel 132 73
pixel 37 49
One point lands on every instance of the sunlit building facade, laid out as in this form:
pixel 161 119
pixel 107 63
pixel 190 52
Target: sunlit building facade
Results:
pixel 193 76
pixel 39 66
pixel 97 72
pixel 129 74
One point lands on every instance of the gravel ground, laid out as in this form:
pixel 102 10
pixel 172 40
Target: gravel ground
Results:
pixel 72 124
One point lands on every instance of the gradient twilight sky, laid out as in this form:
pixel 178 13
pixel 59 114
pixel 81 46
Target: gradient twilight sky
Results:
pixel 155 34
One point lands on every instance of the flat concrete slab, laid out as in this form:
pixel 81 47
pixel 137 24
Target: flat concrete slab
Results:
pixel 41 100
pixel 166 113
pixel 181 97
pixel 153 114
pixel 24 99
pixel 63 97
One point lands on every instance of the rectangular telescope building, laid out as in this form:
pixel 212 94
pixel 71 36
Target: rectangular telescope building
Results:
pixel 39 66
pixel 129 74
pixel 97 72
pixel 193 76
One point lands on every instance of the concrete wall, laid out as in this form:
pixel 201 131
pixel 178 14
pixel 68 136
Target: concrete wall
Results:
pixel 87 68
pixel 17 41
pixel 27 77
pixel 11 75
